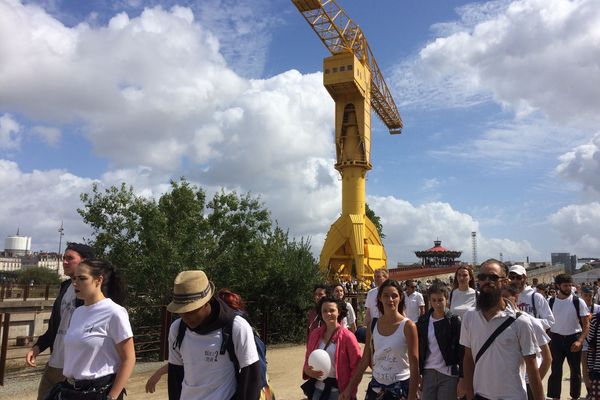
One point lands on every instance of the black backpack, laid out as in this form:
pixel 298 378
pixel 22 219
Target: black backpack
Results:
pixel 227 346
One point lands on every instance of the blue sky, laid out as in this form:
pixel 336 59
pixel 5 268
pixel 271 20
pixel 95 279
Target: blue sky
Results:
pixel 500 103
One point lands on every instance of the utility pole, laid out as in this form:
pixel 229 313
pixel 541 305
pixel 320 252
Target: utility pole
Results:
pixel 60 236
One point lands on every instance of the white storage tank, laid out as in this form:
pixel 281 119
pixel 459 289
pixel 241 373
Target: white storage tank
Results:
pixel 17 245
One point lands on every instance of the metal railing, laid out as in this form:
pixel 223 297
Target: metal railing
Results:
pixel 13 291
pixel 151 335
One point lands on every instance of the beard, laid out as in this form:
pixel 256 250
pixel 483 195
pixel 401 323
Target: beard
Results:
pixel 567 293
pixel 488 298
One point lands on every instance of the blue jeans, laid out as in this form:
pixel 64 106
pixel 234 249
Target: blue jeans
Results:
pixel 332 396
pixel 395 391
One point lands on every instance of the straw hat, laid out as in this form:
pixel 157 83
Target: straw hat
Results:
pixel 191 291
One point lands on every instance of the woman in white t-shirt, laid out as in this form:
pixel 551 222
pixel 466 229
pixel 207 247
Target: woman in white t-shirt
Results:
pixel 349 321
pixel 99 352
pixel 463 295
pixel 393 350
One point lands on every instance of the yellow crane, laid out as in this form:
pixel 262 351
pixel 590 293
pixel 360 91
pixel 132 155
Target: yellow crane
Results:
pixel 354 81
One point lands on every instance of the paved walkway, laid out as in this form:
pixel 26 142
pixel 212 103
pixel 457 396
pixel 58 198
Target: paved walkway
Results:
pixel 285 366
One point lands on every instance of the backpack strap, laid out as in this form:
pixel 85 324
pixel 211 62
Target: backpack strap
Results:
pixel 227 344
pixel 495 334
pixel 533 304
pixel 180 335
pixel 450 298
pixel 577 309
pixel 551 302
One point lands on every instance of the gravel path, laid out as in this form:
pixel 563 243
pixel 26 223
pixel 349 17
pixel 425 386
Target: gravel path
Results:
pixel 285 373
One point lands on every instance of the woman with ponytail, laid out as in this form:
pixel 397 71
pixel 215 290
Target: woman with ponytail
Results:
pixel 99 352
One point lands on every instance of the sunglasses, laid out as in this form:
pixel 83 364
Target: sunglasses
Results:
pixel 515 276
pixel 490 277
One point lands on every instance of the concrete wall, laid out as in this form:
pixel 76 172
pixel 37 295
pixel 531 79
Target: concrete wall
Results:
pixel 27 318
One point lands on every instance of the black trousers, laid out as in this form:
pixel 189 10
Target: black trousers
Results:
pixel 560 347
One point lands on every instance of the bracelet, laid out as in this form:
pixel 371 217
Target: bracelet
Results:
pixel 109 397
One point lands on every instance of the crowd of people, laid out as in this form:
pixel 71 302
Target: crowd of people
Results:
pixel 491 336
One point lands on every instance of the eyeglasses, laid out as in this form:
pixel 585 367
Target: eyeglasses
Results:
pixel 491 277
pixel 515 276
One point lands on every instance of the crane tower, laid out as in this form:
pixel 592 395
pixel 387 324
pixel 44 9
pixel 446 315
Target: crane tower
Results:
pixel 354 81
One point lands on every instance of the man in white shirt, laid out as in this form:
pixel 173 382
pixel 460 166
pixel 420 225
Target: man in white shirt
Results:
pixel 372 312
pixel 60 317
pixel 414 304
pixel 498 373
pixel 528 300
pixel 568 334
pixel 212 353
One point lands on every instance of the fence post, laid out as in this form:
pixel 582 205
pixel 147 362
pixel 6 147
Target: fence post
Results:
pixel 25 292
pixel 2 292
pixel 4 345
pixel 47 293
pixel 165 319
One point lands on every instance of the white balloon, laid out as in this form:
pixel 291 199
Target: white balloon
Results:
pixel 319 361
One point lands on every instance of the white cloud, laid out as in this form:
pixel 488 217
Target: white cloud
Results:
pixel 10 133
pixel 431 183
pixel 48 134
pixel 527 55
pixel 582 165
pixel 579 226
pixel 410 228
pixel 37 202
pixel 155 95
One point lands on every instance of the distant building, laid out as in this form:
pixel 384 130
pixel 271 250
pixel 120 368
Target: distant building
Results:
pixel 9 264
pixel 438 256
pixel 17 246
pixel 566 259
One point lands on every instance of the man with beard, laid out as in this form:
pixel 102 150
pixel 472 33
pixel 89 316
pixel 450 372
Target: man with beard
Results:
pixel 567 334
pixel 495 371
pixel 528 300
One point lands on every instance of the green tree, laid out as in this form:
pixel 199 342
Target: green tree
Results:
pixel 376 219
pixel 37 275
pixel 231 237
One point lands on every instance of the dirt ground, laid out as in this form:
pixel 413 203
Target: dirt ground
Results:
pixel 285 366
pixel 285 373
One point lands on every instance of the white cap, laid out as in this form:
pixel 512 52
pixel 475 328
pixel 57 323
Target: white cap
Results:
pixel 517 269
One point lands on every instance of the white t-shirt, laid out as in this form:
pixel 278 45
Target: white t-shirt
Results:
pixel 90 342
pixel 390 358
pixel 462 301
pixel 542 309
pixel 500 372
pixel 350 318
pixel 67 306
pixel 412 304
pixel 541 338
pixel 371 303
pixel 435 360
pixel 565 315
pixel 209 375
pixel 332 371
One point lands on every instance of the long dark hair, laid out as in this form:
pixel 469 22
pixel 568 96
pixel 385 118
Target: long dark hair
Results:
pixel 392 283
pixel 113 285
pixel 471 277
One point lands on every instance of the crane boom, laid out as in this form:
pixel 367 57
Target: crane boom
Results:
pixel 340 34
